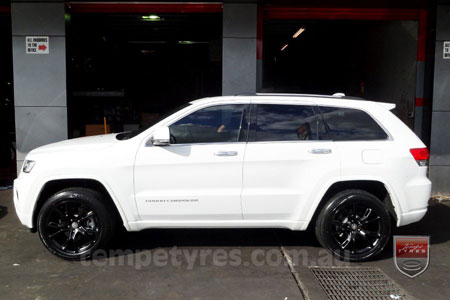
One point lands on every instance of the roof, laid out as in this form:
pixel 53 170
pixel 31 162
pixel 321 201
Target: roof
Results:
pixel 336 99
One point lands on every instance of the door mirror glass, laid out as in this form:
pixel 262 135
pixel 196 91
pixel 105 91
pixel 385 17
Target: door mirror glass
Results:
pixel 161 136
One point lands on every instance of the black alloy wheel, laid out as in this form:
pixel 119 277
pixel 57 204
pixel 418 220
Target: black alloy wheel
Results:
pixel 75 222
pixel 354 225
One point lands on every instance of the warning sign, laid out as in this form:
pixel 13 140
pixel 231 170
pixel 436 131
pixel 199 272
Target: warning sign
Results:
pixel 446 50
pixel 37 44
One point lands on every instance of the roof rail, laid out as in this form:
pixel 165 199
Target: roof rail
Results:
pixel 336 95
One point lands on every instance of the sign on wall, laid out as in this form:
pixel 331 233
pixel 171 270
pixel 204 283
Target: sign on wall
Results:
pixel 37 45
pixel 446 50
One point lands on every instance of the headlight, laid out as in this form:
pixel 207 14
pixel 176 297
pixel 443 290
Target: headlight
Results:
pixel 28 166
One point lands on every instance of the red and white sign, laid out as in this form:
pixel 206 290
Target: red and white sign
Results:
pixel 411 254
pixel 37 45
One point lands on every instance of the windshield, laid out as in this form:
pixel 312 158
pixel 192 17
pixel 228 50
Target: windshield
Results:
pixel 131 134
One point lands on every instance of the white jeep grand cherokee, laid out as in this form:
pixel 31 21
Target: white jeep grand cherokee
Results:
pixel 349 168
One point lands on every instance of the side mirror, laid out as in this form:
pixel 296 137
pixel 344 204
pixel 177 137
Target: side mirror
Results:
pixel 161 136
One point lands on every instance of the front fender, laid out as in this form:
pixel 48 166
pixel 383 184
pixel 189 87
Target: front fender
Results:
pixel 126 214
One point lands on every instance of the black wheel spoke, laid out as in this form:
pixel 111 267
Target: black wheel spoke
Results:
pixel 76 242
pixel 354 208
pixel 365 222
pixel 89 215
pixel 56 225
pixel 66 207
pixel 353 234
pixel 66 243
pixel 367 213
pixel 86 234
pixel 346 242
pixel 81 210
pixel 58 232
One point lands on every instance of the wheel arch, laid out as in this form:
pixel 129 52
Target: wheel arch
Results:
pixel 53 186
pixel 376 187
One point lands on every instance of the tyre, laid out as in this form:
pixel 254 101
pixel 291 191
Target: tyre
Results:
pixel 354 225
pixel 75 222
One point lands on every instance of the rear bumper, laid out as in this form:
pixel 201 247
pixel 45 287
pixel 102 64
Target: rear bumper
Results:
pixel 414 205
pixel 412 216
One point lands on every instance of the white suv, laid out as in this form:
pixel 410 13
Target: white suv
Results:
pixel 348 168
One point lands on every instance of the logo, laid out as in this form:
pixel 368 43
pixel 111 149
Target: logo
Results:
pixel 411 254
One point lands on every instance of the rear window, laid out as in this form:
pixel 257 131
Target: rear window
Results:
pixel 285 123
pixel 346 124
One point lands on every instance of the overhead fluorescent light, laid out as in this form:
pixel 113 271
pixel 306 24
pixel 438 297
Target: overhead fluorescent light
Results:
pixel 151 18
pixel 191 42
pixel 284 47
pixel 298 32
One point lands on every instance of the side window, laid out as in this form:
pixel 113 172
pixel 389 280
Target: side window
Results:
pixel 213 124
pixel 346 124
pixel 278 122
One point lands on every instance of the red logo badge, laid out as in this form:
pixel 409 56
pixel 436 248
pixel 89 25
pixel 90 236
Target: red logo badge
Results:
pixel 411 254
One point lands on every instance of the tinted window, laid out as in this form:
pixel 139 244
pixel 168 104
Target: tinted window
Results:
pixel 345 124
pixel 209 125
pixel 132 134
pixel 285 123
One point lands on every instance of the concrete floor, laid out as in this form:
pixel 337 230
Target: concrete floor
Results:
pixel 29 271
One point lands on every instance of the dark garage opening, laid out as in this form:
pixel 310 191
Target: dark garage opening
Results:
pixel 7 126
pixel 373 60
pixel 131 68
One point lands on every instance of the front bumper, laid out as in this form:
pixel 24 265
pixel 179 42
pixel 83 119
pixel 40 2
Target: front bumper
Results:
pixel 22 203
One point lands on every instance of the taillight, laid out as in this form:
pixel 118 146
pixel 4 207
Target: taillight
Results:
pixel 421 155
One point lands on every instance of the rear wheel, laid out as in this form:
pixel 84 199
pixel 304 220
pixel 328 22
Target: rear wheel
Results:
pixel 354 225
pixel 75 222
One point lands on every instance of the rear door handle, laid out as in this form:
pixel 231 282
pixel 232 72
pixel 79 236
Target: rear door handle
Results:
pixel 225 153
pixel 320 151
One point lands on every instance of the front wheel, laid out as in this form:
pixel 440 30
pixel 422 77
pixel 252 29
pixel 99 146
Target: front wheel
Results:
pixel 354 225
pixel 75 222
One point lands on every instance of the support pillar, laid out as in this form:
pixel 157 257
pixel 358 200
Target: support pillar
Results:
pixel 39 79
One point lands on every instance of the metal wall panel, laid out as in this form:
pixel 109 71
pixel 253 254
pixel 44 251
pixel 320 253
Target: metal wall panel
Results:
pixel 443 23
pixel 40 80
pixel 441 89
pixel 440 137
pixel 38 19
pixel 36 126
pixel 239 66
pixel 239 20
pixel 440 127
pixel 239 48
pixel 440 178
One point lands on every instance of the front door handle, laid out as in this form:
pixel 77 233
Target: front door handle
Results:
pixel 320 151
pixel 225 153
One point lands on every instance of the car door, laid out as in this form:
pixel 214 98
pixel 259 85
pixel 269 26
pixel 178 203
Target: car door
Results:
pixel 285 163
pixel 199 175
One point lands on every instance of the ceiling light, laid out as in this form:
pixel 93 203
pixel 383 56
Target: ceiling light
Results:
pixel 191 42
pixel 298 32
pixel 151 18
pixel 284 47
